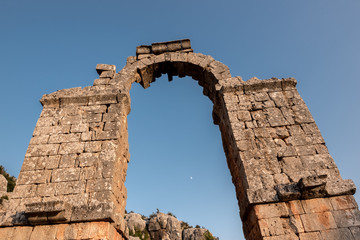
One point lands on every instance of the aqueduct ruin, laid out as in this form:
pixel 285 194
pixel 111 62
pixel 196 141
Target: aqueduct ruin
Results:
pixel 71 184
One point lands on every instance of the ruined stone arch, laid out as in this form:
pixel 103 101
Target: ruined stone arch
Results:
pixel 74 170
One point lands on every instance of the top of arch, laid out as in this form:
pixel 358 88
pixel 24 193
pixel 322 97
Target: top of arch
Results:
pixel 182 45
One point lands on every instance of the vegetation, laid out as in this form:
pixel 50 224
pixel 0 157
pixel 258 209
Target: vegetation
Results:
pixel 2 199
pixel 143 235
pixel 11 180
pixel 185 225
pixel 209 236
pixel 171 214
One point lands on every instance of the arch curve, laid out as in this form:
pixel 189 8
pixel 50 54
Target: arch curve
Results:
pixel 209 73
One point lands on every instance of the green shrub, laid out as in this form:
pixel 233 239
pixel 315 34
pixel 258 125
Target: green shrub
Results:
pixel 143 235
pixel 11 180
pixel 209 236
pixel 185 225
pixel 2 199
pixel 171 214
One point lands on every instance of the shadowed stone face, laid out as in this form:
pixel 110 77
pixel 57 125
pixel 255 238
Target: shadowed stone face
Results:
pixel 287 184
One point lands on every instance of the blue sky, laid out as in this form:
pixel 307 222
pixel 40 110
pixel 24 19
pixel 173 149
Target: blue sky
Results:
pixel 50 45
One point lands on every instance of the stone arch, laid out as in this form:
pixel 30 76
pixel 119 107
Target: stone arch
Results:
pixel 75 167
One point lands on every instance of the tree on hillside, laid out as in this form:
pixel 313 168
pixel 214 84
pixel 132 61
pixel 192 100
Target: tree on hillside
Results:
pixel 11 179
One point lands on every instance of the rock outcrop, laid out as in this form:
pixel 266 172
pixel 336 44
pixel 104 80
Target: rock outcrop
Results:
pixel 161 226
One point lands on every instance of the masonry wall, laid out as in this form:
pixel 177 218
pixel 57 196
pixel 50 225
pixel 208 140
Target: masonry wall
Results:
pixel 287 184
pixel 73 175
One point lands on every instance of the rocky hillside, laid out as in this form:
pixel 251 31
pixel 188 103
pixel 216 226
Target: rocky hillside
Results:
pixel 161 226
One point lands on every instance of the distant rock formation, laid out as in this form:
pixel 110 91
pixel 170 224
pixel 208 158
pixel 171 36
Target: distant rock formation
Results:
pixel 161 226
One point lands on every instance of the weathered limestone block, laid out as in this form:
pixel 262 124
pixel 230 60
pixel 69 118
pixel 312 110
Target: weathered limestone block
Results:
pixel 48 212
pixel 65 174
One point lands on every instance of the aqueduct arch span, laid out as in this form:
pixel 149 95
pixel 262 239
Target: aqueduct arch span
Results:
pixel 71 184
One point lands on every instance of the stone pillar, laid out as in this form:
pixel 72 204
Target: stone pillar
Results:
pixel 287 184
pixel 75 166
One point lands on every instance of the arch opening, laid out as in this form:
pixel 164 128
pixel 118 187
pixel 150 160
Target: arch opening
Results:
pixel 191 147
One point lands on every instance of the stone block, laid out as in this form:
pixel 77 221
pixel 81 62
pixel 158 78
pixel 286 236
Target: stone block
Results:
pixel 336 234
pixel 29 164
pixel 46 190
pixel 288 115
pixel 310 236
pixel 107 135
pixel 271 227
pixel 38 140
pixel 302 114
pixel 25 191
pixel 52 162
pixel 355 232
pixel 101 81
pixel 102 99
pixel 42 150
pixel 92 117
pixel 281 178
pixel 99 185
pixel 46 121
pixel 316 205
pixel 279 99
pixel 15 233
pixel 282 132
pixel 263 132
pixel 88 159
pixel 244 116
pixel 50 130
pixel 68 161
pixel 65 174
pixel 70 119
pixel 79 128
pixel 111 126
pixel 298 140
pixel 295 207
pixel 111 117
pixel 261 96
pixel 313 186
pixel 347 218
pixel 68 148
pixel 318 221
pixel 292 225
pixel 105 67
pixel 87 136
pixel 107 74
pixel 343 202
pixel 34 177
pixel 64 138
pixel 305 150
pixel 73 187
pixel 275 117
pixel 88 173
pixel 103 211
pixel 270 210
pixel 44 232
pixel 288 192
pixel 291 164
pixel 245 145
pixel 93 146
pixel 340 187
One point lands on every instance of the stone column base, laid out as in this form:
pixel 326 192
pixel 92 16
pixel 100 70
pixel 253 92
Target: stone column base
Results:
pixel 87 230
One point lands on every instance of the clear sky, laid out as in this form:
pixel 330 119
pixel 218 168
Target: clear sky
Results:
pixel 177 161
